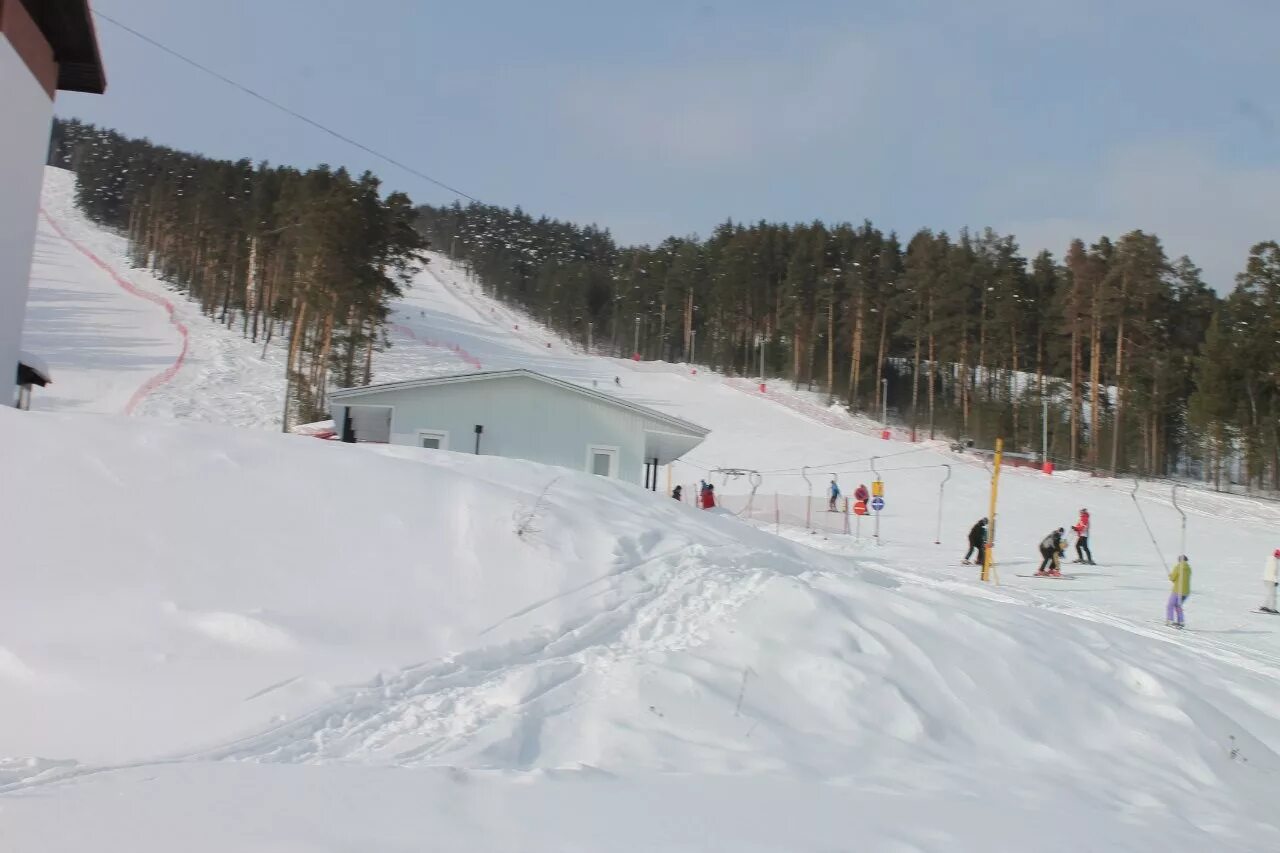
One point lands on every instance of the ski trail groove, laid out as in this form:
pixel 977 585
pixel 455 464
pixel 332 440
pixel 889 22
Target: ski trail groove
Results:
pixel 422 714
pixel 129 287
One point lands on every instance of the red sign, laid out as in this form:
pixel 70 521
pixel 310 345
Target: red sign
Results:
pixel 860 508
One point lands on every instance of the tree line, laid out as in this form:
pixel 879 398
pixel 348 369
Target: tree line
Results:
pixel 311 257
pixel 1137 363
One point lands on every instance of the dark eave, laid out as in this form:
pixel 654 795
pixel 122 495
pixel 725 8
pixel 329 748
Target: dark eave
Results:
pixel 68 26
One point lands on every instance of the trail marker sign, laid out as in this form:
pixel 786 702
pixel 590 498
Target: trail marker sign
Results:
pixel 860 508
pixel 877 503
pixel 877 489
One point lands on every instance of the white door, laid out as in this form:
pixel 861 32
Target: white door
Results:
pixel 602 460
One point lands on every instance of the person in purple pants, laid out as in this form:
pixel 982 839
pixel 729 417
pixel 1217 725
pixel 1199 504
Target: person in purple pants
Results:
pixel 1180 577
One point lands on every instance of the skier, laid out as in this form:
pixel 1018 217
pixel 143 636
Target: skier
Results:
pixel 617 380
pixel 833 496
pixel 1180 577
pixel 1081 528
pixel 1270 576
pixel 977 540
pixel 861 493
pixel 702 493
pixel 708 496
pixel 678 493
pixel 1051 548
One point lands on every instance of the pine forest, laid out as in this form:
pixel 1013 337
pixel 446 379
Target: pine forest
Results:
pixel 1122 356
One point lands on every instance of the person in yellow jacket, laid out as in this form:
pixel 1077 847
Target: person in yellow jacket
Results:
pixel 1180 577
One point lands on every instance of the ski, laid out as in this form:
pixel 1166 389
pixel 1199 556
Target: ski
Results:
pixel 1051 577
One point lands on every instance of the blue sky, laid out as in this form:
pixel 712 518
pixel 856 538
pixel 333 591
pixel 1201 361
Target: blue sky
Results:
pixel 1044 119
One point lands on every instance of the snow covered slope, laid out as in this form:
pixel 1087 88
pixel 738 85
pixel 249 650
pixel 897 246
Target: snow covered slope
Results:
pixel 214 639
pixel 451 652
pixel 107 346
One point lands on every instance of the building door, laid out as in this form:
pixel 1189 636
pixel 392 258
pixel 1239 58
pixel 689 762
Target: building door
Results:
pixel 371 423
pixel 602 460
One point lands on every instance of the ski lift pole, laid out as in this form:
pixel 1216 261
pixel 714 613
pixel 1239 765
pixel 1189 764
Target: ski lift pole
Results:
pixel 876 474
pixel 987 552
pixel 808 502
pixel 937 539
pixel 1182 552
pixel 754 478
pixel 1134 496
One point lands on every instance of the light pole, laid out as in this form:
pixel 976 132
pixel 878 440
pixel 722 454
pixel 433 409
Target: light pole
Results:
pixel 636 347
pixel 1044 432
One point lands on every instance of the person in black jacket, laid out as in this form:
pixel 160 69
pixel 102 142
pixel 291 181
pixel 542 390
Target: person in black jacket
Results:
pixel 977 540
pixel 1051 548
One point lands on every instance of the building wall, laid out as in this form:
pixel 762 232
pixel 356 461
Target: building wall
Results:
pixel 522 418
pixel 26 110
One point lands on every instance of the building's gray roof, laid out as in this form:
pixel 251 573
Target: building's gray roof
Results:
pixel 481 375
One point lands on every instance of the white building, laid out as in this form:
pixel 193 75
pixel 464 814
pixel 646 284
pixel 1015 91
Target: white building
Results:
pixel 45 46
pixel 518 414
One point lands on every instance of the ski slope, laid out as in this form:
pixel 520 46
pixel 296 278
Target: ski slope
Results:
pixel 198 653
pixel 349 648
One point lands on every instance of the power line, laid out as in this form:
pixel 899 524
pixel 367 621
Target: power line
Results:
pixel 282 108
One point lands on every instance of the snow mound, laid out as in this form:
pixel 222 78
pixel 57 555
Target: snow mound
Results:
pixel 470 626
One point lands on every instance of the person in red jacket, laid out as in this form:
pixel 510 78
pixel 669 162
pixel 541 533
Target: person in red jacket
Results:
pixel 1083 554
pixel 708 496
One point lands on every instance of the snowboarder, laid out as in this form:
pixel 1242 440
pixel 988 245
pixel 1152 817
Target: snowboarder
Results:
pixel 1081 528
pixel 977 540
pixel 1051 548
pixel 678 493
pixel 1270 577
pixel 1180 577
pixel 861 493
pixel 708 496
pixel 833 496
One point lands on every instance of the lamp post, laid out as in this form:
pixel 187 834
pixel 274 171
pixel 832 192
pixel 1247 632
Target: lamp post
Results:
pixel 1044 431
pixel 636 347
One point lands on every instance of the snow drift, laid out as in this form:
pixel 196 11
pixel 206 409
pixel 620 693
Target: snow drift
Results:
pixel 543 660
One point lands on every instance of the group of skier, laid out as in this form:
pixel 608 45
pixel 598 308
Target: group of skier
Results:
pixel 1054 546
pixel 706 495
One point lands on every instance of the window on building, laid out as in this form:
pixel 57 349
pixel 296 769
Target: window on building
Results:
pixel 602 461
pixel 433 439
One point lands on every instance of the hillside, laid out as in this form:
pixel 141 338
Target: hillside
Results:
pixel 267 642
pixel 632 656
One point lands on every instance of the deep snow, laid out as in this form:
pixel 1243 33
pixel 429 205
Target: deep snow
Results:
pixel 631 673
pixel 183 595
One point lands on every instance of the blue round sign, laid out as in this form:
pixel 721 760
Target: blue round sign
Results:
pixel 877 504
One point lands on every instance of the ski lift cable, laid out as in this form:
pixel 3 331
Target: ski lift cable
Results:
pixel 282 108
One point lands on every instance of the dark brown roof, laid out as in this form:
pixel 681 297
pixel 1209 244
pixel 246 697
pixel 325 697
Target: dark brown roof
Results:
pixel 68 25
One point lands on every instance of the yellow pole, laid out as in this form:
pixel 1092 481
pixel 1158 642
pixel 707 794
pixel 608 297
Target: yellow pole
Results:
pixel 991 517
